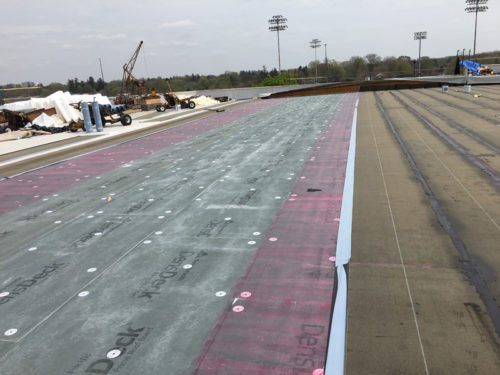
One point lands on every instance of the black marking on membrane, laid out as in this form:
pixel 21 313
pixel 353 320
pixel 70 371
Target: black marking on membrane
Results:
pixel 457 146
pixel 252 180
pixel 312 190
pixel 245 199
pixel 141 205
pixel 5 233
pixel 105 227
pixel 53 207
pixel 119 180
pixel 469 266
pixel 214 227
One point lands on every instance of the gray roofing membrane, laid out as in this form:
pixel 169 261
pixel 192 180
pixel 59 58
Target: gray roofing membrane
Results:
pixel 203 249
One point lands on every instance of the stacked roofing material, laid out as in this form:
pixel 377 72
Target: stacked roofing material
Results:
pixel 114 108
pixel 61 101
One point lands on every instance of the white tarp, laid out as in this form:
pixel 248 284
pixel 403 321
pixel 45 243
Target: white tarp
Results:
pixel 44 120
pixel 201 101
pixel 204 101
pixel 61 102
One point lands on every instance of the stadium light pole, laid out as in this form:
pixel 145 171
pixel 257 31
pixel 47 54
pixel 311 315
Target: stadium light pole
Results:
pixel 476 6
pixel 315 43
pixel 102 74
pixel 419 35
pixel 278 23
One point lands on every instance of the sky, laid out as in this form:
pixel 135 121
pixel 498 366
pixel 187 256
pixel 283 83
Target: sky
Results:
pixel 56 40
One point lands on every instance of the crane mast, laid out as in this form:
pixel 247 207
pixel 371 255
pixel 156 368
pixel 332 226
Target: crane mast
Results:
pixel 128 80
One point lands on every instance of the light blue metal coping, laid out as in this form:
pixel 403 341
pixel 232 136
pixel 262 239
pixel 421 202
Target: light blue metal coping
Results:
pixel 335 357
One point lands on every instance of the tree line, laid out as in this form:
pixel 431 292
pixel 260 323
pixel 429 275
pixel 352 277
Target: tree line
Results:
pixel 356 68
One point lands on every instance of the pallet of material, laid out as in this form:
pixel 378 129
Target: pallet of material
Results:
pixel 149 101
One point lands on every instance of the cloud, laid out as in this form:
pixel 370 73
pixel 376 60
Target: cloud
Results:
pixel 310 3
pixel 180 43
pixel 30 32
pixel 101 36
pixel 34 30
pixel 174 24
pixel 72 46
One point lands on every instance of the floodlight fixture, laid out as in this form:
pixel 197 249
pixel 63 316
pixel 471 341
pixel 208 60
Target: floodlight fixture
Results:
pixel 476 6
pixel 315 43
pixel 278 23
pixel 419 35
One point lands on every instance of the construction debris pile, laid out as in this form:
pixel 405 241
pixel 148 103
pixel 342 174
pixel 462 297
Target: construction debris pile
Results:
pixel 61 111
pixel 55 113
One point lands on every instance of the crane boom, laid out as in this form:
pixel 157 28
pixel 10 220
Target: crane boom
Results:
pixel 128 77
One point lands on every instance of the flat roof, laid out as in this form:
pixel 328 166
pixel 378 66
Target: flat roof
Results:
pixel 210 247
pixel 208 244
